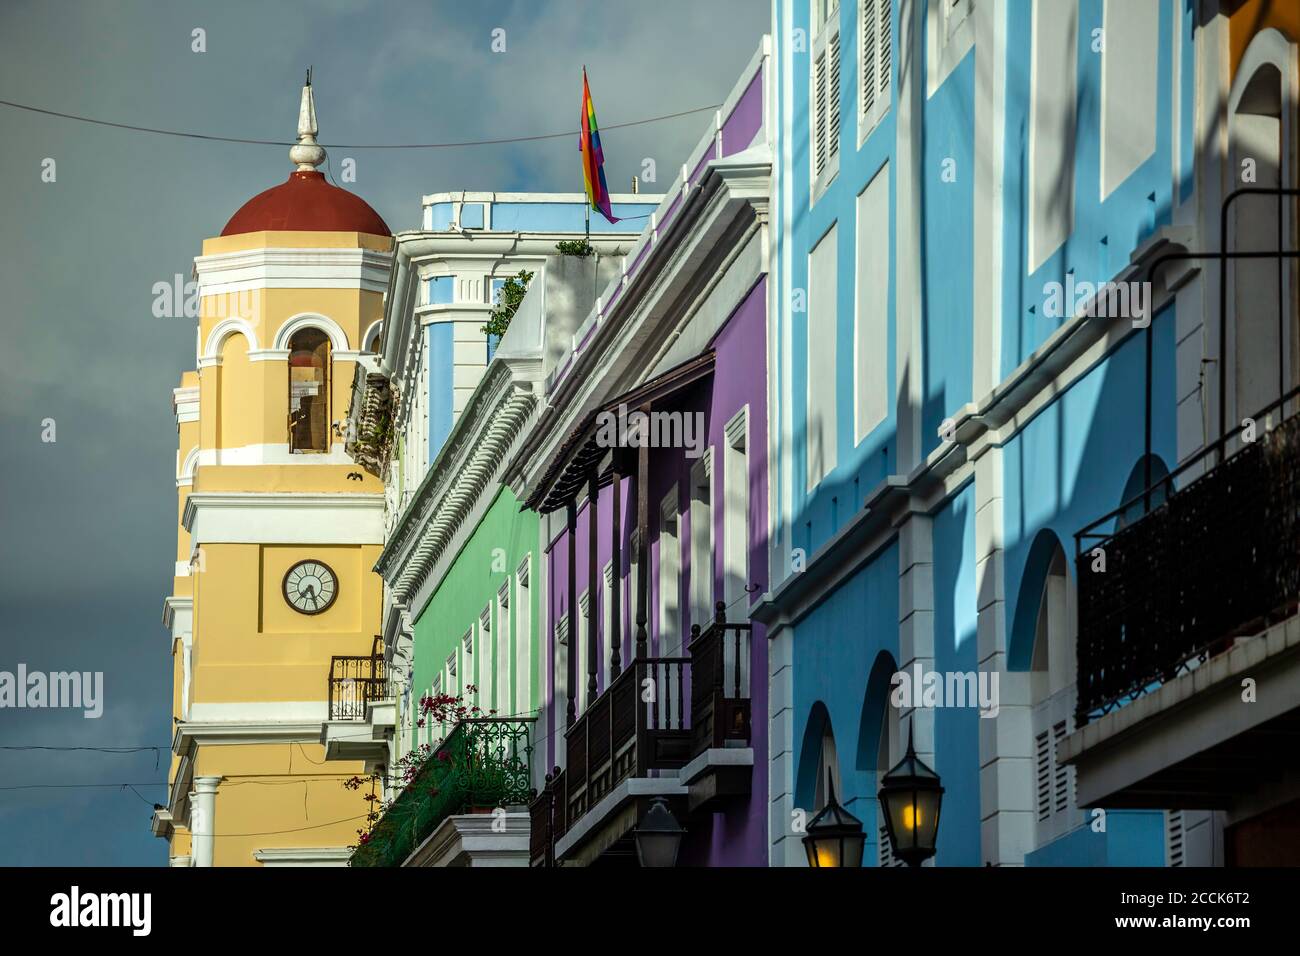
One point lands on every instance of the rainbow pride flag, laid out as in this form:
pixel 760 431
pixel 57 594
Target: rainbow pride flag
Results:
pixel 593 159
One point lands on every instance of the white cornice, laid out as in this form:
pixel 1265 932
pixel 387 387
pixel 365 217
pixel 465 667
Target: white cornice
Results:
pixel 185 403
pixel 303 856
pixel 290 517
pixel 191 733
pixel 649 199
pixel 249 269
pixel 177 613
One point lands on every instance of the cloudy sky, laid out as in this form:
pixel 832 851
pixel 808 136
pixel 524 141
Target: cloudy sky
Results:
pixel 88 522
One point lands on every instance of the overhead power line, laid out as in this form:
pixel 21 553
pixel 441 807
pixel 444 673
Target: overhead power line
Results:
pixel 279 142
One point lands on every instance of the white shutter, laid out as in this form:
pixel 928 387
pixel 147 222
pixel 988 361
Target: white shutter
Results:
pixel 1054 782
pixel 874 60
pixel 1043 775
pixel 867 30
pixel 883 60
pixel 1174 837
pixel 833 96
pixel 819 114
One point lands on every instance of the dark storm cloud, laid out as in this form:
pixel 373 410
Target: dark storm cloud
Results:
pixel 88 522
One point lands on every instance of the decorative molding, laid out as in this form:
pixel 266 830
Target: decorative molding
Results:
pixel 303 856
pixel 178 613
pixel 311 320
pixel 269 453
pixel 220 332
pixel 258 517
pixel 185 404
pixel 252 269
pixel 191 733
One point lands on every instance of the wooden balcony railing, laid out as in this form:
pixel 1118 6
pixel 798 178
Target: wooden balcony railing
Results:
pixel 720 692
pixel 355 682
pixel 1217 559
pixel 642 722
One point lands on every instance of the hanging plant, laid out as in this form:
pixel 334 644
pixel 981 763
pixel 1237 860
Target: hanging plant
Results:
pixel 508 299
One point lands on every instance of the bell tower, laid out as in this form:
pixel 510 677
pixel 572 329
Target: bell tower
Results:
pixel 277 529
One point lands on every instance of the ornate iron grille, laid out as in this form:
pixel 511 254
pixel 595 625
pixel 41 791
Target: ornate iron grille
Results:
pixel 1219 559
pixel 357 681
pixel 482 765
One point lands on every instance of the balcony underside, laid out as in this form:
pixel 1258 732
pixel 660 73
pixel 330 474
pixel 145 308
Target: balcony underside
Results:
pixel 361 739
pixel 1194 742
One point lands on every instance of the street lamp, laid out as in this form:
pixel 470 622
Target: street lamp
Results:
pixel 659 836
pixel 834 838
pixel 911 797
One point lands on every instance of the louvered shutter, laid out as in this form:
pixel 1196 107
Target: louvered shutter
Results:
pixel 874 60
pixel 1043 775
pixel 833 96
pixel 867 30
pixel 886 854
pixel 883 54
pixel 819 113
pixel 1174 836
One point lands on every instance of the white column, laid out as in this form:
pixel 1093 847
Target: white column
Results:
pixel 203 805
pixel 784 844
pixel 1006 753
pixel 916 625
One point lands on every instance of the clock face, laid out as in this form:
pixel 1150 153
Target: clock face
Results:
pixel 310 587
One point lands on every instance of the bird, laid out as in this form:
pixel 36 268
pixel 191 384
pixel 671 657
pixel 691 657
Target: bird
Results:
pixel 355 476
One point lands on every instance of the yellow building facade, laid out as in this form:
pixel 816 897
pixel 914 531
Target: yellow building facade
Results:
pixel 277 530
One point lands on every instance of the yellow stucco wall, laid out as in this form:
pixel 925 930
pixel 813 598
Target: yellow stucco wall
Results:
pixel 251 651
pixel 279 795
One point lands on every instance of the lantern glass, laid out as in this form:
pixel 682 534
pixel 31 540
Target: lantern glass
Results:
pixel 911 797
pixel 659 836
pixel 834 838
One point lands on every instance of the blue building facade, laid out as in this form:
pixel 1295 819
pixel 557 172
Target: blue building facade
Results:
pixel 967 366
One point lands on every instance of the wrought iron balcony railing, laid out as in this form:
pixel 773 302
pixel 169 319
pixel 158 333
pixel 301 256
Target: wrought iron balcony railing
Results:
pixel 482 765
pixel 355 682
pixel 1216 559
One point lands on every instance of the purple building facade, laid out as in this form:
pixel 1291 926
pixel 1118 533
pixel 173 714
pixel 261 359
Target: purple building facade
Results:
pixel 648 464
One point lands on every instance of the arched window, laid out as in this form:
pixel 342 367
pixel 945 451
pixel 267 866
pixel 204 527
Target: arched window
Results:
pixel 373 344
pixel 828 771
pixel 1135 505
pixel 1258 129
pixel 309 403
pixel 1052 696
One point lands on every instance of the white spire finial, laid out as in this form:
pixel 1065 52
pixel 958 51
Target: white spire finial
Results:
pixel 307 154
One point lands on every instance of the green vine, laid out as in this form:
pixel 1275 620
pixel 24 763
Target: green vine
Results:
pixel 508 299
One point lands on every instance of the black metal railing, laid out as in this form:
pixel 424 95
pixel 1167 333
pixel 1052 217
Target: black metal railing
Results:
pixel 720 693
pixel 1218 558
pixel 355 682
pixel 483 765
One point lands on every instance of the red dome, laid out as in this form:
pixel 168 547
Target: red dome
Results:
pixel 307 203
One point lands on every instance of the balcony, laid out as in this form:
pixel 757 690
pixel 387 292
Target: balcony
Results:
pixel 1198 594
pixel 482 766
pixel 630 746
pixel 362 709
